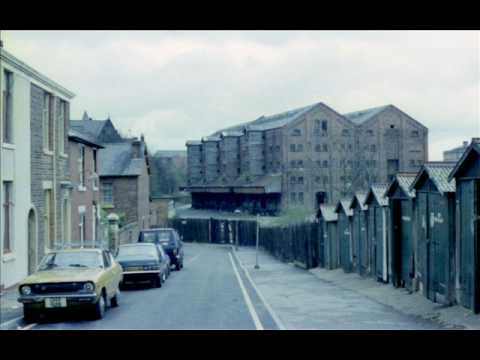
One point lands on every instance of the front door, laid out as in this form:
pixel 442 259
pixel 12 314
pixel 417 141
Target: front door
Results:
pixel 32 242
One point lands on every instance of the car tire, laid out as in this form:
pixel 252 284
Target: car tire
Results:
pixel 157 282
pixel 99 308
pixel 114 301
pixel 30 315
pixel 178 266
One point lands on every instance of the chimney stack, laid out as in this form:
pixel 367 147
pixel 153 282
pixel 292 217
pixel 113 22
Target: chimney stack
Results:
pixel 136 147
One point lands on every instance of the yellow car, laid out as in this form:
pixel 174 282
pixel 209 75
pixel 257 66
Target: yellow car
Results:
pixel 73 278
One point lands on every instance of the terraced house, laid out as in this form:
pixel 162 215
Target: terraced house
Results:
pixel 302 158
pixel 34 177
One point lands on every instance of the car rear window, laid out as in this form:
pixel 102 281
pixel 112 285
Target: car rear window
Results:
pixel 149 237
pixel 135 251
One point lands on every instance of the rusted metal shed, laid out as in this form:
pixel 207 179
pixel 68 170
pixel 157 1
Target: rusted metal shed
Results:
pixel 377 230
pixel 361 259
pixel 435 231
pixel 467 177
pixel 344 234
pixel 401 208
pixel 328 241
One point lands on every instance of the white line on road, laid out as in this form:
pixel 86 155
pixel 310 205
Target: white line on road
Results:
pixel 189 261
pixel 7 323
pixel 28 327
pixel 274 316
pixel 248 301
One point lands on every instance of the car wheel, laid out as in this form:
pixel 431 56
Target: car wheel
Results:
pixel 29 315
pixel 177 266
pixel 114 300
pixel 99 308
pixel 157 282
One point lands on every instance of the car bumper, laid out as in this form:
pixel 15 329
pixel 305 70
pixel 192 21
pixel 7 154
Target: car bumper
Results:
pixel 72 299
pixel 137 276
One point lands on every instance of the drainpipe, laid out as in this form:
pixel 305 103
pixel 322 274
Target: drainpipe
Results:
pixel 54 159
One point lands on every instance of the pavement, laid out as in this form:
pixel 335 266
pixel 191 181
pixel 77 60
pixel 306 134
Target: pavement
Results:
pixel 219 289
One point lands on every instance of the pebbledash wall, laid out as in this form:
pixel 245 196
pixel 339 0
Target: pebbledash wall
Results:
pixel 23 164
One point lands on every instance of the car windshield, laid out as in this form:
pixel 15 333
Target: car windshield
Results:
pixel 78 259
pixel 137 251
pixel 149 237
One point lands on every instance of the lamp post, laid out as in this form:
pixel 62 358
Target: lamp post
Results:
pixel 256 252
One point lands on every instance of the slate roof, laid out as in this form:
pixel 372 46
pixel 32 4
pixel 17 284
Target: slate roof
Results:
pixel 474 146
pixel 437 172
pixel 91 127
pixel 360 197
pixel 404 180
pixel 359 117
pixel 271 121
pixel 345 205
pixel 79 136
pixel 378 191
pixel 327 212
pixel 116 160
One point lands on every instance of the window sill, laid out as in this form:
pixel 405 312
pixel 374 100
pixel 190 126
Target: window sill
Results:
pixel 82 188
pixel 9 146
pixel 47 152
pixel 8 257
pixel 62 155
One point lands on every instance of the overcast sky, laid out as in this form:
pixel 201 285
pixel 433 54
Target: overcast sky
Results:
pixel 174 86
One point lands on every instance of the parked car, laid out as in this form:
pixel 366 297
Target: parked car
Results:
pixel 72 278
pixel 143 262
pixel 169 239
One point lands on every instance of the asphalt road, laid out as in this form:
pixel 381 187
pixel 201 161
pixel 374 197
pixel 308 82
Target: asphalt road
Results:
pixel 205 294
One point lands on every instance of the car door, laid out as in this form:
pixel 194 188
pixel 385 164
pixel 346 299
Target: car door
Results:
pixel 117 270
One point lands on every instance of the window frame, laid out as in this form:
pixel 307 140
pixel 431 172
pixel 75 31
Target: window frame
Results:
pixel 8 217
pixel 109 186
pixel 7 113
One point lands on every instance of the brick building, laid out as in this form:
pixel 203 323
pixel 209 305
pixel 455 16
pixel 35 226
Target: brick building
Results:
pixel 85 213
pixel 302 157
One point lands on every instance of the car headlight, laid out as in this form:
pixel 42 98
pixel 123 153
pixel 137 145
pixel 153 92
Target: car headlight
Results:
pixel 26 290
pixel 88 287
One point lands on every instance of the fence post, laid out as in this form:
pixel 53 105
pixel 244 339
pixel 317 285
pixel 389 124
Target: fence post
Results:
pixel 113 236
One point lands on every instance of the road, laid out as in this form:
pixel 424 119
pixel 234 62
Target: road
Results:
pixel 214 291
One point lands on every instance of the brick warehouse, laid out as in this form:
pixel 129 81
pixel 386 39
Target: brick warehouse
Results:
pixel 302 157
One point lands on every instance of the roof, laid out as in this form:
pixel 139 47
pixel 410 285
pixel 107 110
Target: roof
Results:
pixel 116 159
pixel 404 180
pixel 437 172
pixel 81 137
pixel 193 142
pixel 91 127
pixel 457 149
pixel 210 138
pixel 327 212
pixel 345 205
pixel 360 199
pixel 272 183
pixel 473 147
pixel 170 153
pixel 34 74
pixel 271 121
pixel 359 117
pixel 377 191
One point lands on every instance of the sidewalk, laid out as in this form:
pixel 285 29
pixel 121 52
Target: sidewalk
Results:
pixel 331 299
pixel 11 310
pixel 450 317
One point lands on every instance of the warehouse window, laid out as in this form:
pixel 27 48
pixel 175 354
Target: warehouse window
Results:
pixel 300 197
pixel 318 148
pixel 7 107
pixel 345 132
pixel 296 132
pixel 292 180
pixel 373 148
pixel 325 147
pixel 324 125
pixel 300 179
pixel 415 133
pixel 325 163
pixel 293 197
pixel 300 148
pixel 292 147
pixel 370 132
pixel 300 163
pixel 317 179
pixel 293 164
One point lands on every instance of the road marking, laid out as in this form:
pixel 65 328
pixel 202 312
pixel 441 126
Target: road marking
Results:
pixel 6 323
pixel 248 301
pixel 28 327
pixel 274 316
pixel 189 261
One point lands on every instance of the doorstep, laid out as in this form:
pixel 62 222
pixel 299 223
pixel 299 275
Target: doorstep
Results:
pixel 402 300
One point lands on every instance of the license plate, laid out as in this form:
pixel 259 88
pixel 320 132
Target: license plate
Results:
pixel 135 268
pixel 56 302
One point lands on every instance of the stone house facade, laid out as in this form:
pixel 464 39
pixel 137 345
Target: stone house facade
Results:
pixel 85 209
pixel 34 167
pixel 303 157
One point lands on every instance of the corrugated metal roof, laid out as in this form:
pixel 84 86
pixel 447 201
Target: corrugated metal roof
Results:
pixel 404 180
pixel 474 146
pixel 359 117
pixel 438 172
pixel 360 197
pixel 116 159
pixel 378 192
pixel 327 212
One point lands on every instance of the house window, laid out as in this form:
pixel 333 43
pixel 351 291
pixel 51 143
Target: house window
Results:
pixel 107 194
pixel 7 216
pixel 47 122
pixel 296 132
pixel 300 197
pixel 412 162
pixel 292 147
pixel 48 219
pixel 7 108
pixel 61 127
pixel 81 166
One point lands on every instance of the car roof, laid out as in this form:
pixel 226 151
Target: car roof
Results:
pixel 158 229
pixel 97 250
pixel 138 244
